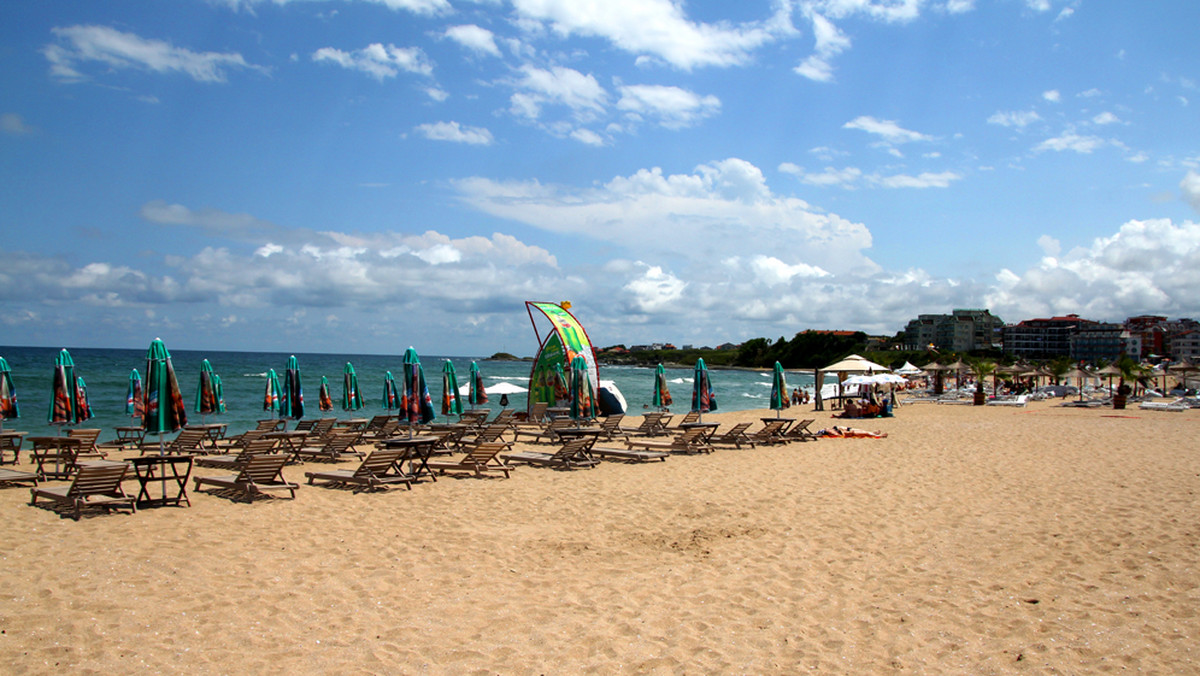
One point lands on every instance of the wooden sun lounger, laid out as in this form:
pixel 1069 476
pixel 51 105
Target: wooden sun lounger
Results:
pixel 546 433
pixel 631 454
pixel 801 430
pixel 380 469
pixel 96 484
pixel 188 441
pixel 16 476
pixel 332 450
pixel 770 433
pixel 234 462
pixel 691 442
pixel 735 435
pixel 653 424
pixel 87 443
pixel 260 474
pixel 572 454
pixel 481 459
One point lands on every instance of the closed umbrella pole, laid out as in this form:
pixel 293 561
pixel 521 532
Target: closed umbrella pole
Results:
pixel 8 394
pixel 416 403
pixel 324 399
pixel 478 394
pixel 135 406
pixel 292 398
pixel 703 397
pixel 165 410
pixel 62 391
pixel 779 391
pixel 661 397
pixel 271 396
pixel 352 399
pixel 451 401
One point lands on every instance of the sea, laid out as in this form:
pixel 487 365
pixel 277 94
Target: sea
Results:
pixel 243 378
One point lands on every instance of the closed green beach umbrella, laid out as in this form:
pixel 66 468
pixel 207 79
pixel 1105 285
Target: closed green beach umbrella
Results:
pixel 451 400
pixel 165 410
pixel 272 395
pixel 391 398
pixel 208 401
pixel 63 402
pixel 417 404
pixel 703 397
pixel 292 397
pixel 662 395
pixel 477 394
pixel 83 410
pixel 779 390
pixel 8 394
pixel 352 399
pixel 220 393
pixel 324 399
pixel 135 404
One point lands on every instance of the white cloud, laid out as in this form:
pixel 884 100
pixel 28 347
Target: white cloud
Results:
pixel 1071 141
pixel 923 180
pixel 1190 185
pixel 959 6
pixel 557 86
pixel 829 43
pixel 421 7
pixel 691 216
pixel 883 10
pixel 475 38
pixel 673 107
pixel 1052 95
pixel 12 123
pixel 1146 264
pixel 587 136
pixel 655 28
pixel 654 290
pixel 847 177
pixel 1018 119
pixel 454 132
pixel 378 61
pixel 117 50
pixel 889 130
pixel 1105 118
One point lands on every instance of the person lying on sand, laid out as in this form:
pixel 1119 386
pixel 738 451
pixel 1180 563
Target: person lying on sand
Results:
pixel 850 432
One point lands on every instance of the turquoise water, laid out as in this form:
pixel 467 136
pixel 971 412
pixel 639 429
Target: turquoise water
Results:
pixel 243 376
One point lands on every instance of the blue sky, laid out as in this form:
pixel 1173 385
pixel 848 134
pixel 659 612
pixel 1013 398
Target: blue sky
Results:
pixel 364 175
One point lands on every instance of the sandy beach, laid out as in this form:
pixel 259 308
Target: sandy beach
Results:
pixel 971 540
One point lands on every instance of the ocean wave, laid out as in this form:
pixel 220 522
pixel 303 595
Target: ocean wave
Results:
pixel 255 375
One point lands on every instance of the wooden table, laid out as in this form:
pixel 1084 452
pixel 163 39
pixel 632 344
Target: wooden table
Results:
pixel 11 441
pixel 62 450
pixel 163 470
pixel 418 450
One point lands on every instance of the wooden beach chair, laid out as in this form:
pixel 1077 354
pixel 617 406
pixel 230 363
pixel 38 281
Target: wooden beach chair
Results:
pixel 571 455
pixel 547 433
pixel 770 433
pixel 481 459
pixel 380 469
pixel 691 442
pixel 260 474
pixel 688 418
pixel 96 484
pixel 610 428
pixel 188 441
pixel 233 462
pixel 87 443
pixel 653 424
pixel 332 450
pixel 16 476
pixel 629 454
pixel 735 436
pixel 801 432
